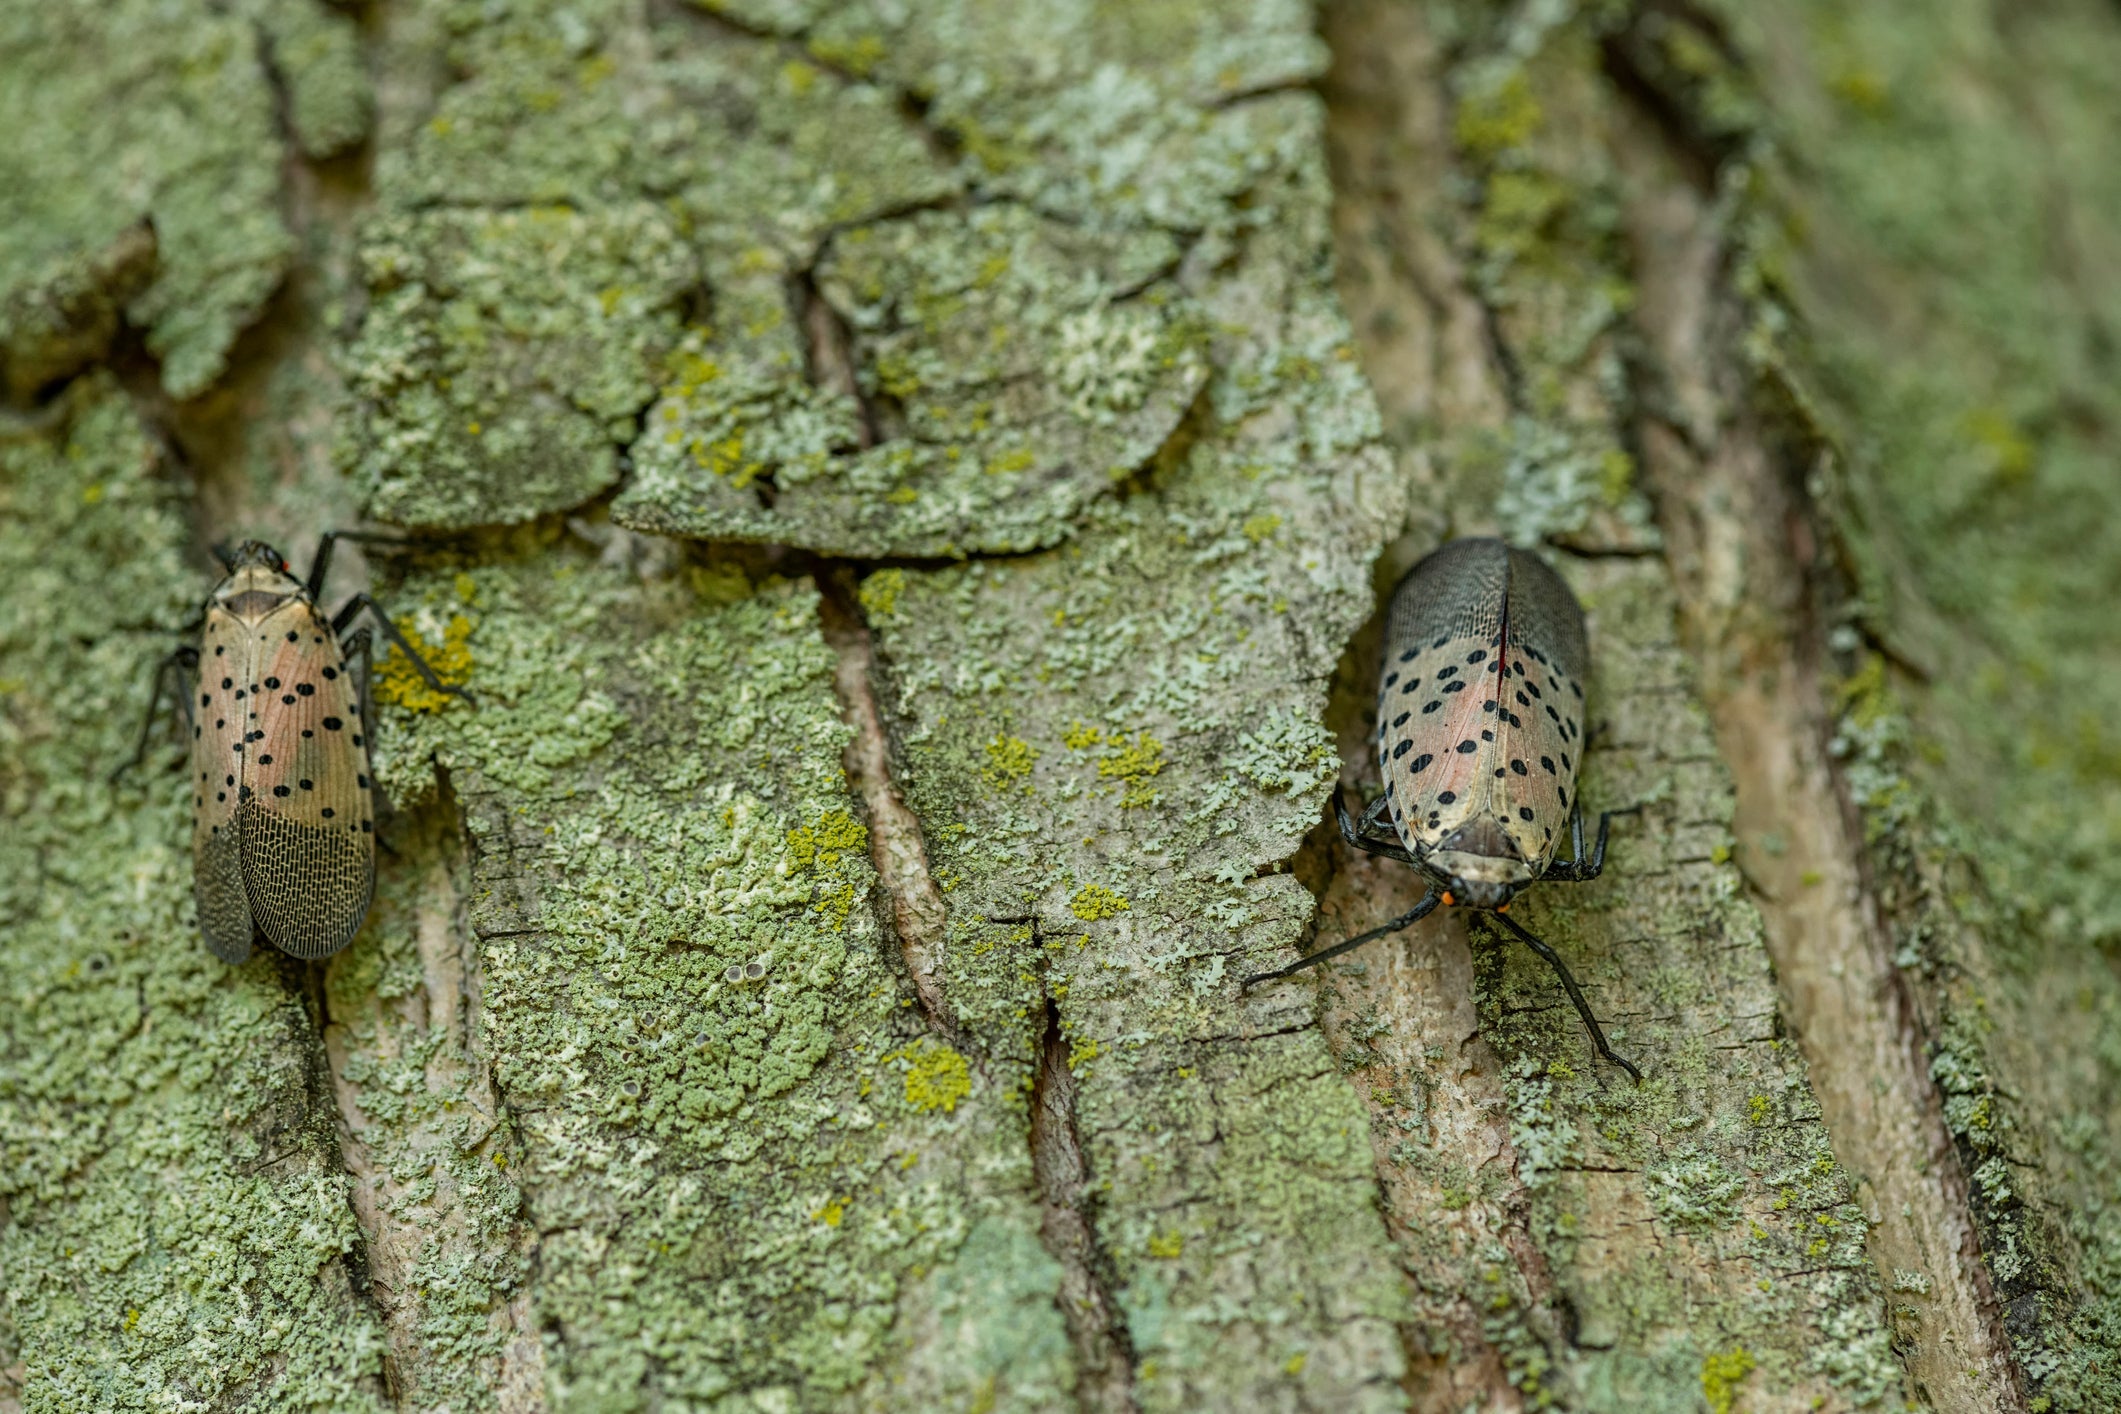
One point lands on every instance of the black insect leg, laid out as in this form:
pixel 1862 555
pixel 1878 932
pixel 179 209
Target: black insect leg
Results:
pixel 181 661
pixel 361 644
pixel 1578 869
pixel 1358 835
pixel 351 610
pixel 1568 983
pixel 1415 914
pixel 320 563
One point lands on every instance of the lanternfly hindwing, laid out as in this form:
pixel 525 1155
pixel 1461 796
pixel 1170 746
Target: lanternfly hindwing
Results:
pixel 1481 704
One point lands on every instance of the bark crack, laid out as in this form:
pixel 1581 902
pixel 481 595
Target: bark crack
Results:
pixel 1104 1349
pixel 829 353
pixel 897 845
pixel 408 1213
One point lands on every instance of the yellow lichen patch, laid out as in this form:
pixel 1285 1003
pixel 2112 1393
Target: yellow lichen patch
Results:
pixel 1095 901
pixel 1009 760
pixel 879 592
pixel 1616 474
pixel 1018 460
pixel 832 1212
pixel 936 1076
pixel 399 683
pixel 824 843
pixel 690 371
pixel 902 496
pixel 836 904
pixel 2011 451
pixel 1720 1376
pixel 857 55
pixel 1862 89
pixel 725 458
pixel 1167 1245
pixel 1135 764
pixel 1261 527
pixel 1757 1110
pixel 1082 736
pixel 1496 121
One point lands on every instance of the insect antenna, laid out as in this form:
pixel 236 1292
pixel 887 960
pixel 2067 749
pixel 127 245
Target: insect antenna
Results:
pixel 1413 915
pixel 1583 1008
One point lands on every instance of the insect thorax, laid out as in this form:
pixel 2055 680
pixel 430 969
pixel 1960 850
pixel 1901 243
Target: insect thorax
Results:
pixel 253 592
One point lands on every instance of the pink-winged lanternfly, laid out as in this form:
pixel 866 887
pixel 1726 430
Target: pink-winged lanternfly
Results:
pixel 283 814
pixel 1480 716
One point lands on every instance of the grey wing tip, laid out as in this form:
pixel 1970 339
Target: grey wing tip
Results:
pixel 229 952
pixel 319 949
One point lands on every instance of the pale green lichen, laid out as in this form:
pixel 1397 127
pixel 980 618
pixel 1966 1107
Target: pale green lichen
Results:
pixel 684 999
pixel 504 357
pixel 127 113
pixel 315 51
pixel 1022 366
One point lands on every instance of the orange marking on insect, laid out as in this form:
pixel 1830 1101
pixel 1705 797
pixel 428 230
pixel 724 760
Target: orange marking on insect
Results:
pixel 1448 901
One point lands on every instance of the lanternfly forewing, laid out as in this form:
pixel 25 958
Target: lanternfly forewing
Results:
pixel 283 807
pixel 1480 718
pixel 1483 680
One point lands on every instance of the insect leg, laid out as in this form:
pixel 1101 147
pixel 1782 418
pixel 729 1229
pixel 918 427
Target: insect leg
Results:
pixel 1415 914
pixel 1579 869
pixel 320 563
pixel 179 660
pixel 1568 983
pixel 1356 834
pixel 361 644
pixel 351 610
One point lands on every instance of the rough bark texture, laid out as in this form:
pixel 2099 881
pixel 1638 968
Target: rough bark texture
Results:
pixel 911 487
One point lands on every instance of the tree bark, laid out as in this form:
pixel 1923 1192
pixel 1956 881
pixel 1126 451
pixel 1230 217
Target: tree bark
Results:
pixel 912 490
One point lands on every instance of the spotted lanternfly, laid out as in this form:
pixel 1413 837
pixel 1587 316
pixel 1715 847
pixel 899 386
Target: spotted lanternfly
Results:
pixel 283 806
pixel 1480 718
